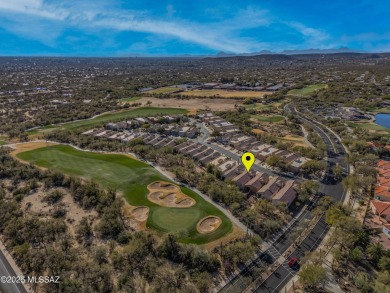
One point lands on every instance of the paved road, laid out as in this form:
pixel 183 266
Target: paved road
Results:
pixel 205 134
pixel 336 155
pixel 6 270
pixel 328 186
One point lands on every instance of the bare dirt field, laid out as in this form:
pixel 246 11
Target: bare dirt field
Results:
pixel 208 224
pixel 168 195
pixel 257 131
pixel 193 104
pixel 74 213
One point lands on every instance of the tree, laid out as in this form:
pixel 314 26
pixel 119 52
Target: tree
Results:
pixel 382 282
pixel 363 282
pixel 312 276
pixel 384 263
pixel 84 232
pixel 306 189
pixel 101 255
pixel 274 160
pixel 375 251
pixel 337 172
pixel 313 167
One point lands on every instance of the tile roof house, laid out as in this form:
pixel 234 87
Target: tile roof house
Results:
pixel 268 190
pixel 257 182
pixel 233 172
pixel 227 166
pixel 381 208
pixel 296 165
pixel 287 194
pixel 382 187
pixel 242 179
pixel 210 158
pixel 203 154
pixel 265 153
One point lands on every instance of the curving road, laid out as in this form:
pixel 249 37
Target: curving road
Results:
pixel 282 274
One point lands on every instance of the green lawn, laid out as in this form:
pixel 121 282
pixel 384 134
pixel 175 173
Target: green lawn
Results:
pixel 273 119
pixel 370 126
pixel 131 177
pixel 163 90
pixel 380 110
pixel 307 90
pixel 3 140
pixel 109 117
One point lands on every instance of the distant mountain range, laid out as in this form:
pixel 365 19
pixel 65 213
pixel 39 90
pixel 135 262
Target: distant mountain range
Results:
pixel 292 52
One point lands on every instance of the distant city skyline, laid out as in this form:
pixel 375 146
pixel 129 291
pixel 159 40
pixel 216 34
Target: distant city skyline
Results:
pixel 167 28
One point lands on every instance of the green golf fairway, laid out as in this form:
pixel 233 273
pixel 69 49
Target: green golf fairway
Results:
pixel 131 177
pixel 109 117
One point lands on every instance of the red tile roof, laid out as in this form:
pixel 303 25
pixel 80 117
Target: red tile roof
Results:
pixel 382 190
pixel 382 207
pixel 382 164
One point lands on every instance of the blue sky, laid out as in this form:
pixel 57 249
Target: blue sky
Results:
pixel 151 27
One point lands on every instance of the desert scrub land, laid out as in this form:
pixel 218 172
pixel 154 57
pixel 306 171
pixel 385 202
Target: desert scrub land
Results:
pixel 131 178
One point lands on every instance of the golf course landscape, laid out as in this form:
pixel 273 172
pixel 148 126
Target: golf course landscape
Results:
pixel 307 90
pixel 109 117
pixel 132 177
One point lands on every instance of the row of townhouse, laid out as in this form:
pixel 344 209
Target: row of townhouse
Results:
pixel 245 143
pixel 380 206
pixel 218 124
pixel 255 184
pixel 139 121
pixel 124 136
pixel 166 125
pixel 175 130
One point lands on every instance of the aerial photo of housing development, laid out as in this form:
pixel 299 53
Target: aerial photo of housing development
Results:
pixel 194 147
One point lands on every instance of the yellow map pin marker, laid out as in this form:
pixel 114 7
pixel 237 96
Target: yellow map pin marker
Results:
pixel 247 160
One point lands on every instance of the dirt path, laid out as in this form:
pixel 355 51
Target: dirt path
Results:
pixel 305 134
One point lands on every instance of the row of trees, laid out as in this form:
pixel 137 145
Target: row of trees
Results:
pixel 356 258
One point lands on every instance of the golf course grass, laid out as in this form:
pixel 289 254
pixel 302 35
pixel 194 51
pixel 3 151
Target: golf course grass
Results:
pixel 307 90
pixel 369 126
pixel 131 177
pixel 3 140
pixel 110 117
pixel 163 90
pixel 272 118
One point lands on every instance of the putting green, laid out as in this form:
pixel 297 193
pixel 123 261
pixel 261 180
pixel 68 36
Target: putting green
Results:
pixel 131 177
pixel 175 219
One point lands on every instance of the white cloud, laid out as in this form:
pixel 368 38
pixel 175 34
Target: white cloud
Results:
pixel 223 35
pixel 313 37
pixel 34 7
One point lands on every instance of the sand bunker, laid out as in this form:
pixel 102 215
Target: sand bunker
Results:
pixel 168 195
pixel 208 224
pixel 140 213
